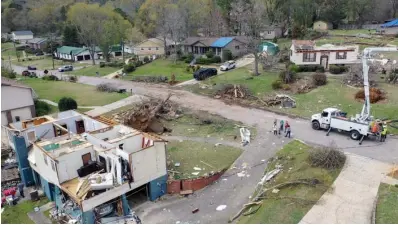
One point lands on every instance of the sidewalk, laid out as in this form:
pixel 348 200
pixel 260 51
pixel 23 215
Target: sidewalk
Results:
pixel 353 193
pixel 38 217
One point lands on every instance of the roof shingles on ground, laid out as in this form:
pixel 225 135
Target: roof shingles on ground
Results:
pixel 23 32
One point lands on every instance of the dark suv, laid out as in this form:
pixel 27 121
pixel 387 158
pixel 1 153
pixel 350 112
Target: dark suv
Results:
pixel 204 73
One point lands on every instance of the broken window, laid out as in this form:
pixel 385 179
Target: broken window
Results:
pixel 309 57
pixel 341 55
pixel 45 159
pixel 53 165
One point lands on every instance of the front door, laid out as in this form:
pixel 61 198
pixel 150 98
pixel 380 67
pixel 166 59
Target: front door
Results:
pixel 325 61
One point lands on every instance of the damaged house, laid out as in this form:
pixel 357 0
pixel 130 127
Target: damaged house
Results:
pixel 88 168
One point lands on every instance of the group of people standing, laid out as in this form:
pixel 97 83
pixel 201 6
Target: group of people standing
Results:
pixel 380 129
pixel 284 126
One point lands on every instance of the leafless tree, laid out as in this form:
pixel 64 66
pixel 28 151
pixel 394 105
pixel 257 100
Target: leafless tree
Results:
pixel 175 25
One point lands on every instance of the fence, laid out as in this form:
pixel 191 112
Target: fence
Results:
pixel 356 26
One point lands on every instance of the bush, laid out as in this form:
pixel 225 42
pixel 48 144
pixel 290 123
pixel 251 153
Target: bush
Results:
pixel 227 55
pixel 197 67
pixel 128 68
pixel 287 76
pixel 277 84
pixel 66 104
pixel 188 69
pixel 294 68
pixel 204 61
pixel 216 59
pixel 275 40
pixel 188 58
pixel 106 87
pixel 334 69
pixel 146 59
pixel 310 68
pixel 393 76
pixel 210 54
pixel 327 157
pixel 102 64
pixel 319 79
pixel 138 63
pixel 50 78
pixel 8 73
pixel 42 108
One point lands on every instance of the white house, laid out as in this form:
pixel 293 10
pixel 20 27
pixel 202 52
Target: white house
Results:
pixel 83 164
pixel 74 53
pixel 305 52
pixel 271 32
pixel 22 36
pixel 16 102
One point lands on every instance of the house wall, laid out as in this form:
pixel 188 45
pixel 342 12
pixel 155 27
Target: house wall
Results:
pixel 129 49
pixel 68 164
pixel 392 30
pixel 4 119
pixel 22 37
pixel 15 97
pixel 232 47
pixel 297 58
pixel 23 113
pixel 352 57
pixel 148 48
pixel 45 170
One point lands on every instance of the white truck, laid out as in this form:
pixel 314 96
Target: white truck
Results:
pixel 359 126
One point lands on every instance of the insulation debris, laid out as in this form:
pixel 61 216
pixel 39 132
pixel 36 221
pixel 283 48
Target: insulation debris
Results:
pixel 221 207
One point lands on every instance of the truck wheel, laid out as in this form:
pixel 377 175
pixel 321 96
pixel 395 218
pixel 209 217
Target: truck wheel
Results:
pixel 315 125
pixel 355 135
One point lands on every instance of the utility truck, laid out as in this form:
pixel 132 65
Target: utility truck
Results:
pixel 359 126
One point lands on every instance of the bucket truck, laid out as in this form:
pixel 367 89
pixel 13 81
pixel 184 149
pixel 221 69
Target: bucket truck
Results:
pixel 358 126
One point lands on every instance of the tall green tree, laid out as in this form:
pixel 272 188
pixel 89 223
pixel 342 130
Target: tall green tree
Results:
pixel 69 37
pixel 359 11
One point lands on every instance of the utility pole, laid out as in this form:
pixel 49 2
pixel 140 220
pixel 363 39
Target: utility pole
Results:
pixel 122 45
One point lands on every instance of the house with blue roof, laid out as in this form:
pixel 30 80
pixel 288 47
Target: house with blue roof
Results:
pixel 200 45
pixel 390 28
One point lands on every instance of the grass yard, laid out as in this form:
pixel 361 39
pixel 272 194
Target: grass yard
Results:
pixel 351 32
pixel 192 154
pixel 90 70
pixel 387 204
pixel 17 214
pixel 162 67
pixel 45 62
pixel 85 95
pixel 286 210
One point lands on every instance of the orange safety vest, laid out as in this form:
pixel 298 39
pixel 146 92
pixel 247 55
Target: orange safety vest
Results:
pixel 375 128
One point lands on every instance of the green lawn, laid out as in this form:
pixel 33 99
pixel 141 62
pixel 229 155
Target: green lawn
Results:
pixel 18 214
pixel 85 95
pixel 280 208
pixel 387 204
pixel 162 67
pixel 46 62
pixel 351 32
pixel 192 154
pixel 90 70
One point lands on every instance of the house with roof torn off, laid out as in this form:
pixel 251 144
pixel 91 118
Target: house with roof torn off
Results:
pixel 88 167
pixel 305 52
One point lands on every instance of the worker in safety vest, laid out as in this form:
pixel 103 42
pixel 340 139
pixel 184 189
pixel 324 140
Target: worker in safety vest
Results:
pixel 384 133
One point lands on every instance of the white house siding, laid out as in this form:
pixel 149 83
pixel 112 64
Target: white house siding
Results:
pixel 15 97
pixel 352 57
pixel 23 113
pixel 21 38
pixel 392 30
pixel 71 162
pixel 39 165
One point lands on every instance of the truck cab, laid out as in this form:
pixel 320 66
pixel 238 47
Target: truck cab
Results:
pixel 322 120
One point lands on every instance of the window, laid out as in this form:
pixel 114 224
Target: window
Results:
pixel 325 114
pixel 157 48
pixel 149 48
pixel 341 55
pixel 86 158
pixel 45 159
pixel 269 32
pixel 309 57
pixel 17 118
pixel 237 47
pixel 53 165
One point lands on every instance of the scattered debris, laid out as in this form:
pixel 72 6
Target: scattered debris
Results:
pixel 207 164
pixel 268 176
pixel 178 222
pixel 241 174
pixel 195 173
pixel 275 191
pixel 186 192
pixel 221 207
pixel 327 157
pixel 218 144
pixel 195 210
pixel 233 91
pixel 197 168
pixel 177 164
pixel 284 101
pixel 225 179
pixel 245 135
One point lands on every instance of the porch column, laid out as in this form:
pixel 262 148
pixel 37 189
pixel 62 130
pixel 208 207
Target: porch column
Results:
pixel 125 204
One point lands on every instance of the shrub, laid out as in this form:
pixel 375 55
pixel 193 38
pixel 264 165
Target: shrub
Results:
pixel 204 61
pixel 50 77
pixel 327 157
pixel 73 79
pixel 197 67
pixel 146 59
pixel 227 55
pixel 188 69
pixel 277 84
pixel 8 73
pixel 320 69
pixel 275 40
pixel 319 79
pixel 138 63
pixel 393 76
pixel 294 68
pixel 106 87
pixel 128 68
pixel 42 108
pixel 310 68
pixel 287 76
pixel 334 69
pixel 216 59
pixel 189 57
pixel 285 87
pixel 66 103
pixel 210 54
pixel 102 64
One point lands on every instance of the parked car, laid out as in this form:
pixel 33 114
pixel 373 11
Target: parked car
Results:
pixel 228 65
pixel 27 73
pixel 65 68
pixel 31 67
pixel 204 73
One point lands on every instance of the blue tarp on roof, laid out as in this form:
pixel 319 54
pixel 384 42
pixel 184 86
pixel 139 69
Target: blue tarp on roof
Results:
pixel 221 42
pixel 393 23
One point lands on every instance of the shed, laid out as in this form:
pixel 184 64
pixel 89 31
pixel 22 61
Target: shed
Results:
pixel 322 25
pixel 269 47
pixel 390 28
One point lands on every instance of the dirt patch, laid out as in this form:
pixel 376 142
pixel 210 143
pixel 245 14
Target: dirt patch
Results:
pixel 375 95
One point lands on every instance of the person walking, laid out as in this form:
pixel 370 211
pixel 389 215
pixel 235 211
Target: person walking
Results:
pixel 20 189
pixel 286 125
pixel 275 129
pixel 288 131
pixel 384 133
pixel 281 127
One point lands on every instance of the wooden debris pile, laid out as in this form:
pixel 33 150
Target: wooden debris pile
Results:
pixel 355 77
pixel 146 116
pixel 375 95
pixel 233 91
pixel 284 101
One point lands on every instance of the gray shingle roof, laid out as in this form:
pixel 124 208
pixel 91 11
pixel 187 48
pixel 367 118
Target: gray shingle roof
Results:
pixel 23 32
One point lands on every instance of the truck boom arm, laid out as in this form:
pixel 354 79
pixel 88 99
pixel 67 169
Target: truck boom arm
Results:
pixel 367 54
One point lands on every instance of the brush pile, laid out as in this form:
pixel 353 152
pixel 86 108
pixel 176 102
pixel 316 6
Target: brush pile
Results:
pixel 327 157
pixel 284 101
pixel 375 95
pixel 233 91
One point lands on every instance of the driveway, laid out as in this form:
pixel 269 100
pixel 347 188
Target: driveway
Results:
pixel 244 61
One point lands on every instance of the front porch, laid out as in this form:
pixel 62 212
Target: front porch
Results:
pixel 200 50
